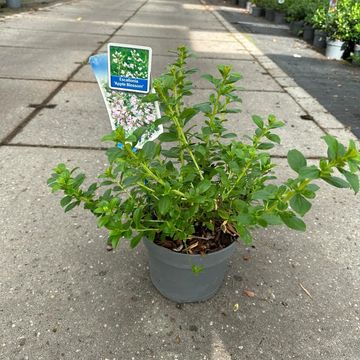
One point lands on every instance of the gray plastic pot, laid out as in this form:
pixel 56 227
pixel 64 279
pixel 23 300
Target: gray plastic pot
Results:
pixel 269 14
pixel 171 272
pixel 296 27
pixel 319 39
pixel 308 34
pixel 357 49
pixel 279 18
pixel 13 4
pixel 257 11
pixel 242 3
pixel 334 49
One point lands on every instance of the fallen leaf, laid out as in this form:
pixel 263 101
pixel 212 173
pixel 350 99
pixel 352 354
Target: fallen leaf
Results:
pixel 246 257
pixel 177 339
pixel 249 293
pixel 236 307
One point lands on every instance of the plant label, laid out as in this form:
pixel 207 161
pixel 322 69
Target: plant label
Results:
pixel 126 109
pixel 129 67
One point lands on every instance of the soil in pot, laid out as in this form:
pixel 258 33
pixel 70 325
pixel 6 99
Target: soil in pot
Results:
pixel 257 11
pixel 308 34
pixel 319 39
pixel 269 14
pixel 335 49
pixel 172 271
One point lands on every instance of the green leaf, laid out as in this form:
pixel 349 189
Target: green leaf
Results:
pixel 168 137
pixel 333 146
pixel 204 186
pixel 258 121
pixel 244 234
pixel 352 179
pixel 210 78
pixel 312 187
pixel 309 172
pixel 274 138
pixel 233 78
pixel 103 221
pixel 71 206
pixel 164 205
pixel 300 204
pixel 272 219
pixel 204 107
pixel 296 160
pixel 336 181
pixel 265 146
pixel 188 114
pixel 150 98
pixel 137 217
pixel 135 240
pixel 293 222
pixel 65 200
pixel 108 137
pixel 261 195
pixel 223 214
pixel 229 136
pixel 150 149
pixel 244 219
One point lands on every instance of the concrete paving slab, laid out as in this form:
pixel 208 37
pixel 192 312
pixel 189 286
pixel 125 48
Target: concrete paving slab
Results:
pixel 61 25
pixel 205 49
pixel 54 64
pixel 79 119
pixel 109 17
pixel 83 106
pixel 252 73
pixel 174 32
pixel 194 23
pixel 16 96
pixel 303 135
pixel 64 296
pixel 50 40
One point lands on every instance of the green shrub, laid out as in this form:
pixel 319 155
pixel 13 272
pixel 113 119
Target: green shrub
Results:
pixel 207 178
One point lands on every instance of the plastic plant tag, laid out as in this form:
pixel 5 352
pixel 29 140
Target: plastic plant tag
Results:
pixel 129 67
pixel 126 109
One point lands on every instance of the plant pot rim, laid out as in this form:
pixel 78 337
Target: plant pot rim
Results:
pixel 334 41
pixel 194 256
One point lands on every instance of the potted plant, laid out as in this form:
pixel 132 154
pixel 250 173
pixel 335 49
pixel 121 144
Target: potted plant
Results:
pixel 338 30
pixel 312 7
pixel 295 14
pixel 258 10
pixel 197 190
pixel 318 21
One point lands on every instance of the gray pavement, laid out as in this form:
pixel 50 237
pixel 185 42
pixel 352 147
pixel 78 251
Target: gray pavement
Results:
pixel 64 297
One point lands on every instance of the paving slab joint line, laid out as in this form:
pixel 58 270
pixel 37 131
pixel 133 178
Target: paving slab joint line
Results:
pixel 68 147
pixel 53 93
pixel 300 96
pixel 103 148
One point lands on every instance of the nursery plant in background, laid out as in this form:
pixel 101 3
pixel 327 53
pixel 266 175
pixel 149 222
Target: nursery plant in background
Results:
pixel 198 189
